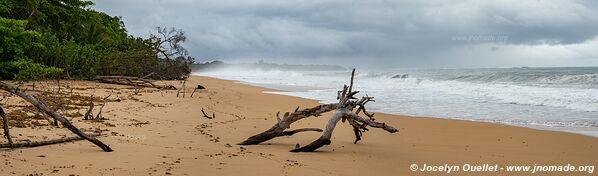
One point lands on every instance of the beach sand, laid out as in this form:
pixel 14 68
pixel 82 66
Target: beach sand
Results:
pixel 156 133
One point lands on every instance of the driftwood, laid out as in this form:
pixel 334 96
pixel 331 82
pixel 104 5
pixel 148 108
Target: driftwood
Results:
pixel 99 115
pixel 206 116
pixel 199 87
pixel 65 122
pixel 49 119
pixel 5 126
pixel 148 75
pixel 285 123
pixel 46 142
pixel 131 81
pixel 343 111
pixel 89 113
pixel 183 88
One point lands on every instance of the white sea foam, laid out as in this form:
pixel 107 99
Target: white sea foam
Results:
pixel 564 99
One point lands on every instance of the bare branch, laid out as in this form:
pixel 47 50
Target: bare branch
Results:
pixel 290 133
pixel 99 115
pixel 46 142
pixel 5 126
pixel 372 123
pixel 89 113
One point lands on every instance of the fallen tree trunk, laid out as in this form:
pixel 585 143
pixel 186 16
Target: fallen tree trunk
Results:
pixel 131 81
pixel 46 142
pixel 284 123
pixel 65 122
pixel 344 111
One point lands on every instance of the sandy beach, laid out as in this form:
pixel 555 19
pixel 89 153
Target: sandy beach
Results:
pixel 156 133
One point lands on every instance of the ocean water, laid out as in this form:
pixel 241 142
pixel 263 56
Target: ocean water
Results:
pixel 561 99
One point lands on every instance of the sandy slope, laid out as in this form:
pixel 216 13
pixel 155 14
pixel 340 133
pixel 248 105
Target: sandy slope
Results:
pixel 161 134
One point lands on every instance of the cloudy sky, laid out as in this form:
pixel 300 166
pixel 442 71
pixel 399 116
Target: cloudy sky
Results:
pixel 376 33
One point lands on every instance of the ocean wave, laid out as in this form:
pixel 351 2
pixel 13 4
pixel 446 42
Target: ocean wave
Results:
pixel 546 98
pixel 580 79
pixel 564 77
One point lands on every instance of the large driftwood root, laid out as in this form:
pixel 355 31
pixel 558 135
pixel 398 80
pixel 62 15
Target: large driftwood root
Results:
pixel 65 122
pixel 343 112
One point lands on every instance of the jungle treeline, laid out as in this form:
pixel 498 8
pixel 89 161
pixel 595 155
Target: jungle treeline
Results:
pixel 66 39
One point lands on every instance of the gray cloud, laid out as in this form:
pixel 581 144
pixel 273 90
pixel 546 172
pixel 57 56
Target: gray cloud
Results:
pixel 388 33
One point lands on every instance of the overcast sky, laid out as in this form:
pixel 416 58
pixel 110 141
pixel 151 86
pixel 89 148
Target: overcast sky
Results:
pixel 376 33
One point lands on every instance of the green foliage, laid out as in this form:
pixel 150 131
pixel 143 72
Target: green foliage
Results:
pixel 15 41
pixel 29 71
pixel 40 36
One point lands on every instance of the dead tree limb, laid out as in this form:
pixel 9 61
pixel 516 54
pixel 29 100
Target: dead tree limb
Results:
pixel 89 113
pixel 285 123
pixel 199 87
pixel 131 81
pixel 148 75
pixel 30 17
pixel 183 88
pixel 65 122
pixel 325 138
pixel 99 115
pixel 206 116
pixel 292 132
pixel 343 111
pixel 5 126
pixel 46 142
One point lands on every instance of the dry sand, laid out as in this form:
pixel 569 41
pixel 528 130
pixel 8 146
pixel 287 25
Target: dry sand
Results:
pixel 156 133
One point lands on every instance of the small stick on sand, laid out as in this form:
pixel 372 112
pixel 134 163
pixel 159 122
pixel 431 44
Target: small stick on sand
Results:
pixel 206 116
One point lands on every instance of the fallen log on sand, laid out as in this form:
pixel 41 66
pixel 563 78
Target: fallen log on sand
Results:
pixel 132 81
pixel 45 142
